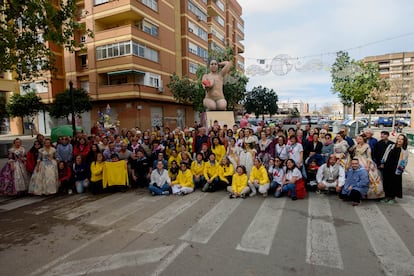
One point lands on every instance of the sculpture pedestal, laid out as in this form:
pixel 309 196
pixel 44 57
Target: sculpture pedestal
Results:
pixel 222 117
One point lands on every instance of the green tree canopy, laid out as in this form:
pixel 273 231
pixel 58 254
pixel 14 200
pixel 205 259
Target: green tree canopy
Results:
pixel 62 106
pixel 261 101
pixel 26 26
pixel 27 105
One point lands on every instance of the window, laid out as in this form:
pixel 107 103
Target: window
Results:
pixel 240 64
pixel 395 76
pixel 124 49
pixel 197 50
pixel 193 28
pixel 152 4
pixel 38 87
pixel 240 27
pixel 395 61
pixel 217 34
pixel 153 80
pixel 83 61
pixel 148 27
pixel 202 16
pixel 192 48
pixel 99 2
pixel 220 20
pixel 192 68
pixel 83 39
pixel 85 85
pixel 220 5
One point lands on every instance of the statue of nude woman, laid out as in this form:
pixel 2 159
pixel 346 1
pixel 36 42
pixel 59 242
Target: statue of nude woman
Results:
pixel 213 84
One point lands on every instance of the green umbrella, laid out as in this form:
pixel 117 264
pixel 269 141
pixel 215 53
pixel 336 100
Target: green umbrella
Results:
pixel 64 130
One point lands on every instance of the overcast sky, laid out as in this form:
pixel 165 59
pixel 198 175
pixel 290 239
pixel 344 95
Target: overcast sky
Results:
pixel 308 32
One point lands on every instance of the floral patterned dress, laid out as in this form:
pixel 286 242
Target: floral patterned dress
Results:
pixel 363 153
pixel 44 180
pixel 14 178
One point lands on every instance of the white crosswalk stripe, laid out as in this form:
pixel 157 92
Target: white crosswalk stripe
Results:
pixel 20 203
pixel 322 246
pixel 258 237
pixel 164 216
pixel 395 257
pixel 205 228
pixel 407 203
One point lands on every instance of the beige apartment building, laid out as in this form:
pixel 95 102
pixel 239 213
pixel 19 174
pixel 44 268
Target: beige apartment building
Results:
pixel 138 45
pixel 398 68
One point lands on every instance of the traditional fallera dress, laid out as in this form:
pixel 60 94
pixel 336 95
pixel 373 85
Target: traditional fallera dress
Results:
pixel 363 153
pixel 44 180
pixel 14 178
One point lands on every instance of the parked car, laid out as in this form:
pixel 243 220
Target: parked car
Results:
pixel 387 122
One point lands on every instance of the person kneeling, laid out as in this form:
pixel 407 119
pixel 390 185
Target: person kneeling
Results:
pixel 356 183
pixel 184 183
pixel 259 178
pixel 239 187
pixel 330 176
pixel 292 174
pixel 160 181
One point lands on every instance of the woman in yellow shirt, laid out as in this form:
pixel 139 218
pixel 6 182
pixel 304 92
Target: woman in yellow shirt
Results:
pixel 226 170
pixel 259 178
pixel 212 175
pixel 239 187
pixel 184 183
pixel 97 167
pixel 218 149
pixel 197 168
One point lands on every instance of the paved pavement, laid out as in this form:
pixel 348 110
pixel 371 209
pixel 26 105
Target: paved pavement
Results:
pixel 206 234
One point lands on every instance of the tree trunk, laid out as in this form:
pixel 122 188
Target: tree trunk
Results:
pixel 353 110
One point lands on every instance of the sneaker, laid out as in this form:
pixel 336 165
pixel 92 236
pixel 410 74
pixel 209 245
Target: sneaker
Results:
pixel 205 187
pixel 385 200
pixel 252 194
pixel 391 201
pixel 265 194
pixel 355 203
pixel 231 196
pixel 318 192
pixel 165 193
pixel 243 196
pixel 294 198
pixel 70 192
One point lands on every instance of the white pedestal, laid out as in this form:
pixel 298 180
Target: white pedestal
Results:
pixel 222 117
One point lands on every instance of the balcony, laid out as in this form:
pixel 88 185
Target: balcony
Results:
pixel 110 8
pixel 122 31
pixel 125 91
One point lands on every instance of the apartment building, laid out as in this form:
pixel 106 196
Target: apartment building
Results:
pixel 138 45
pixel 397 67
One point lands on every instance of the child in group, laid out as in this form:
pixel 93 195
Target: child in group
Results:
pixel 312 170
pixel 97 167
pixel 184 183
pixel 239 187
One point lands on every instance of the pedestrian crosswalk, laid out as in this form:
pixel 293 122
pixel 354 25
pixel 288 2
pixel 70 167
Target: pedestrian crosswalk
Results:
pixel 324 246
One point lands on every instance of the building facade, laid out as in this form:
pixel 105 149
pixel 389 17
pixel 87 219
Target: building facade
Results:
pixel 398 69
pixel 138 45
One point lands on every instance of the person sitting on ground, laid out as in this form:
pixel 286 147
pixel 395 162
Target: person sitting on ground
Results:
pixel 184 183
pixel 259 178
pixel 330 175
pixel 292 174
pixel 226 170
pixel 160 181
pixel 197 168
pixel 81 174
pixel 276 173
pixel 239 186
pixel 356 183
pixel 212 174
pixel 173 170
pixel 65 178
pixel 97 167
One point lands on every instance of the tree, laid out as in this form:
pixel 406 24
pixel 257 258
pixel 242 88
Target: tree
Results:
pixel 27 105
pixel 188 91
pixel 375 99
pixel 354 80
pixel 261 101
pixel 62 106
pixel 29 27
pixel 399 92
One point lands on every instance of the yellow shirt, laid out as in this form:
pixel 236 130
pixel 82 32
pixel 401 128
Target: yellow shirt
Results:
pixel 226 171
pixel 259 174
pixel 184 179
pixel 239 182
pixel 197 169
pixel 211 171
pixel 219 151
pixel 115 173
pixel 97 171
pixel 172 158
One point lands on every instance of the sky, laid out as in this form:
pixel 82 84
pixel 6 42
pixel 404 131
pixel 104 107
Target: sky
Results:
pixel 291 44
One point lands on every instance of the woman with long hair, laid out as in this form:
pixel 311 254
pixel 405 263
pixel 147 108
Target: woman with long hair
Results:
pixel 341 150
pixel 292 174
pixel 394 162
pixel 233 152
pixel 264 148
pixel 31 157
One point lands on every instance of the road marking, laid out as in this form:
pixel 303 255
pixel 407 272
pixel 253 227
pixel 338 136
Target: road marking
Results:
pixel 258 237
pixel 170 258
pixel 408 205
pixel 59 203
pixel 21 202
pixel 322 247
pixel 90 207
pixel 123 212
pixel 110 262
pixel 208 225
pixel 395 257
pixel 158 220
pixel 46 267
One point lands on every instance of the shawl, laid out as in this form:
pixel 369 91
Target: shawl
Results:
pixel 402 162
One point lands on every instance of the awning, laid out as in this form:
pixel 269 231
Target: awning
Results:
pixel 124 72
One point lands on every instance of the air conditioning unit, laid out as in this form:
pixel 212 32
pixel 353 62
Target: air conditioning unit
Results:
pixel 160 89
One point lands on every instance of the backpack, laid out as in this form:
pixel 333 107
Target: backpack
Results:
pixel 300 188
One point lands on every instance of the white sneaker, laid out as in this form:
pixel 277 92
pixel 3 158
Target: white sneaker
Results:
pixel 252 194
pixel 70 192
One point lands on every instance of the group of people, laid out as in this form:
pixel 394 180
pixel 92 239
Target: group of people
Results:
pixel 241 160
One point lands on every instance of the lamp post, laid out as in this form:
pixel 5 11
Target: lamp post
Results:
pixel 72 97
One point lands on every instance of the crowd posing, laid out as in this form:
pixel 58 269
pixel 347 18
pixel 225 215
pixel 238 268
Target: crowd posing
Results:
pixel 241 160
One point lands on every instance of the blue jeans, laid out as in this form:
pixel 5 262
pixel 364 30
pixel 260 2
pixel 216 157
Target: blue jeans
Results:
pixel 273 187
pixel 158 191
pixel 287 187
pixel 200 183
pixel 81 185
